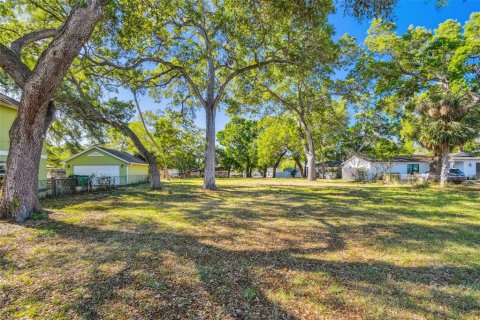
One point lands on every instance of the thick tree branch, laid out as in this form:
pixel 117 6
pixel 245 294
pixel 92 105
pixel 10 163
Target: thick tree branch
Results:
pixel 420 77
pixel 57 58
pixel 280 99
pixel 92 112
pixel 47 10
pixel 11 64
pixel 137 104
pixel 21 42
pixel 314 102
pixel 169 64
pixel 238 72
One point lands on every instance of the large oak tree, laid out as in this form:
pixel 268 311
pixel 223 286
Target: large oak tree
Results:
pixel 196 49
pixel 38 81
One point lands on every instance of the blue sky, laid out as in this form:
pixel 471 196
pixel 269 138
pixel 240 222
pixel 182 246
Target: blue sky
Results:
pixel 408 12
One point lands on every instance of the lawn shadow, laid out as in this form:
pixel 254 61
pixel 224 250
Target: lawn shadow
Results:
pixel 226 275
pixel 226 281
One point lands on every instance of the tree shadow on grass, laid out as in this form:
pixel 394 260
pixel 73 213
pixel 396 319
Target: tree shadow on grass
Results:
pixel 228 281
pixel 225 276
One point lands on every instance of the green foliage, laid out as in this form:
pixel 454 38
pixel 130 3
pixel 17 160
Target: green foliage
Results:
pixel 249 294
pixel 180 141
pixel 428 79
pixel 177 142
pixel 447 121
pixel 437 60
pixel 472 146
pixel 240 141
pixel 225 159
pixel 183 39
pixel 278 137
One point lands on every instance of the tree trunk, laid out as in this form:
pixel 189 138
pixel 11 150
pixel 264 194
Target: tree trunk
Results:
pixel 309 149
pixel 435 168
pixel 36 111
pixel 265 171
pixel 20 186
pixel 300 167
pixel 444 169
pixel 153 170
pixel 310 153
pixel 166 173
pixel 277 164
pixel 154 174
pixel 229 171
pixel 209 173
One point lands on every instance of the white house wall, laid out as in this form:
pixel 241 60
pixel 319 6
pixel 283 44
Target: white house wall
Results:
pixel 401 167
pixel 357 163
pixel 374 168
pixel 468 166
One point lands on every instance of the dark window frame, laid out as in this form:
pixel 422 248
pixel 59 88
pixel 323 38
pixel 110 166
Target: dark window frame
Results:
pixel 413 168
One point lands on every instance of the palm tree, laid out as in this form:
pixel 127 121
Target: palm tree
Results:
pixel 447 121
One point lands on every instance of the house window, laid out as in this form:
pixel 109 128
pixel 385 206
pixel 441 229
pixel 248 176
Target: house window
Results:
pixel 2 169
pixel 413 168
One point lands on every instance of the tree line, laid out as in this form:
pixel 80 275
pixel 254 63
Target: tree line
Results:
pixel 67 61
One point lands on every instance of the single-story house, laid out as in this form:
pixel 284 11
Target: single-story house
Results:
pixel 405 166
pixel 120 167
pixel 372 168
pixel 8 113
pixel 466 162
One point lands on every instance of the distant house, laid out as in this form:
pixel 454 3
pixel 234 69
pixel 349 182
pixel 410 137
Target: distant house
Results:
pixel 174 173
pixel 121 167
pixel 329 169
pixel 8 113
pixel 405 166
pixel 220 172
pixel 372 168
pixel 466 162
pixel 287 173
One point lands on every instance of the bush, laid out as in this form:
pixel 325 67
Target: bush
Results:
pixel 359 174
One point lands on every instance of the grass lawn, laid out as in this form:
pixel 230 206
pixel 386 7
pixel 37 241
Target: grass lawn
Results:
pixel 256 249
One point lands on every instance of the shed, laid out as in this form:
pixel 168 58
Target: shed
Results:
pixel 121 167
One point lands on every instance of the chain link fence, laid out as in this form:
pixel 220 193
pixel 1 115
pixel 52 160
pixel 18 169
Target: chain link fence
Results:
pixel 51 188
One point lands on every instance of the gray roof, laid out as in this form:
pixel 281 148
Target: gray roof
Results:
pixel 399 158
pixel 461 155
pixel 412 159
pixel 8 101
pixel 330 163
pixel 127 157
